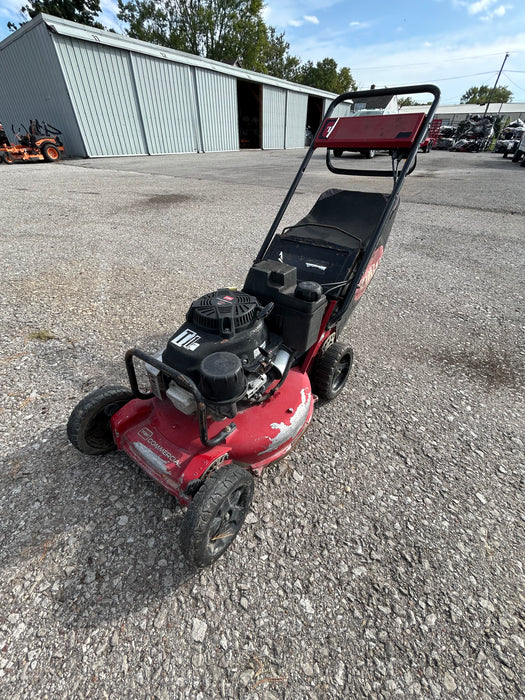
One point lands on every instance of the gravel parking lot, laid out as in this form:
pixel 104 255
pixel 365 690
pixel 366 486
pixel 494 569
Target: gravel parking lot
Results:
pixel 383 558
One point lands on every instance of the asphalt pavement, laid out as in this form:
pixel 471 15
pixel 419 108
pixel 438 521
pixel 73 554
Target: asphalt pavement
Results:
pixel 382 559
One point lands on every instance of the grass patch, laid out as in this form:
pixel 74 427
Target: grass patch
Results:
pixel 42 334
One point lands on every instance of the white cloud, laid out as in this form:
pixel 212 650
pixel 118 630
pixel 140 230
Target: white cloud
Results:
pixel 480 6
pixel 484 10
pixel 309 19
pixel 283 13
pixel 455 61
pixel 359 25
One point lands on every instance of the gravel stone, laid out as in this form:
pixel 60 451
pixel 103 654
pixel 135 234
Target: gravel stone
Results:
pixel 198 631
pixel 382 558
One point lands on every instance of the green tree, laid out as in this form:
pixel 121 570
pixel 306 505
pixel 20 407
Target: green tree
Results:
pixel 223 30
pixel 275 59
pixel 405 102
pixel 82 11
pixel 325 76
pixel 483 94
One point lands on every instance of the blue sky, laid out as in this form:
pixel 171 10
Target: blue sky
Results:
pixel 453 43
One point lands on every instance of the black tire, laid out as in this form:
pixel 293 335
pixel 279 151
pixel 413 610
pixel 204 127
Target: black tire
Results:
pixel 331 371
pixel 505 154
pixel 522 164
pixel 50 152
pixel 369 153
pixel 8 158
pixel 516 157
pixel 216 515
pixel 338 152
pixel 88 427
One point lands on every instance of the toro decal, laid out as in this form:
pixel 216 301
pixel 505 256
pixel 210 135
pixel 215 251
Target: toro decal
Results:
pixel 369 272
pixel 328 127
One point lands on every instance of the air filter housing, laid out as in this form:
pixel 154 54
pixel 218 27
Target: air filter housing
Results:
pixel 224 312
pixel 221 321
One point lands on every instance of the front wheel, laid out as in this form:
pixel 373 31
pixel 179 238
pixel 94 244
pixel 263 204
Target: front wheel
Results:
pixel 331 371
pixel 50 152
pixel 338 152
pixel 216 515
pixel 88 427
pixel 8 158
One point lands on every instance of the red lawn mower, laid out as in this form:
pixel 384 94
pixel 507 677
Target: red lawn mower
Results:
pixel 235 386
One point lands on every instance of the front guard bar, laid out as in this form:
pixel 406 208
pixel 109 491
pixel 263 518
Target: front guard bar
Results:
pixel 183 381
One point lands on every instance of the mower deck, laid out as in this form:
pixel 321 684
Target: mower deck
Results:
pixel 166 443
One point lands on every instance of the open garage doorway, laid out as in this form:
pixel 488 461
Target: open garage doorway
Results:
pixel 249 112
pixel 314 113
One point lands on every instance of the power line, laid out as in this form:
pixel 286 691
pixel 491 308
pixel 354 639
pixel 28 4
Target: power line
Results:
pixel 512 81
pixel 458 77
pixel 427 63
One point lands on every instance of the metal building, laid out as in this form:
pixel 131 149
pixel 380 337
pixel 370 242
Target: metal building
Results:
pixel 111 95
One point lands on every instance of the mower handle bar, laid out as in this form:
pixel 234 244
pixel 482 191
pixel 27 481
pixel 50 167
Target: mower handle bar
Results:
pixel 398 181
pixel 183 381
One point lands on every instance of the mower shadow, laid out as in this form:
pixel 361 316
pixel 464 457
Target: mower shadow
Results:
pixel 95 533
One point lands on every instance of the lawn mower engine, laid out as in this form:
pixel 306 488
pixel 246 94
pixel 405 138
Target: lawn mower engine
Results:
pixel 226 349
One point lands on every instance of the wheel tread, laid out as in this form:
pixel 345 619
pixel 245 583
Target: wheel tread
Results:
pixel 86 409
pixel 322 378
pixel 205 503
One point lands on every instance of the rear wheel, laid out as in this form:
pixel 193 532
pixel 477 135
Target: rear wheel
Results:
pixel 331 371
pixel 50 152
pixel 88 427
pixel 8 158
pixel 216 515
pixel 338 152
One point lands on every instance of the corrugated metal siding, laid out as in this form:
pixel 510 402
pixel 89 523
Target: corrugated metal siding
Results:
pixel 217 109
pixel 296 109
pixel 167 102
pixel 273 121
pixel 33 88
pixel 120 41
pixel 102 90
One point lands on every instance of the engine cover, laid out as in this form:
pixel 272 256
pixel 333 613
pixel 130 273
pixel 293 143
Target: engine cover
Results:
pixel 222 321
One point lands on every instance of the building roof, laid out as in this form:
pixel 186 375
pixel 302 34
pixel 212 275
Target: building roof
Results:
pixel 57 25
pixel 494 108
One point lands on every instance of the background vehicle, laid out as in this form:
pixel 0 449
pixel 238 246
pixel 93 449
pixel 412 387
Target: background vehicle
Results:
pixel 365 152
pixel 519 155
pixel 445 139
pixel 39 142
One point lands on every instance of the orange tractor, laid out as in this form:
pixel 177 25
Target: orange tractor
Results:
pixel 39 142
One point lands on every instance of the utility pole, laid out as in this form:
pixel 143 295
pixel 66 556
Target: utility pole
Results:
pixel 495 85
